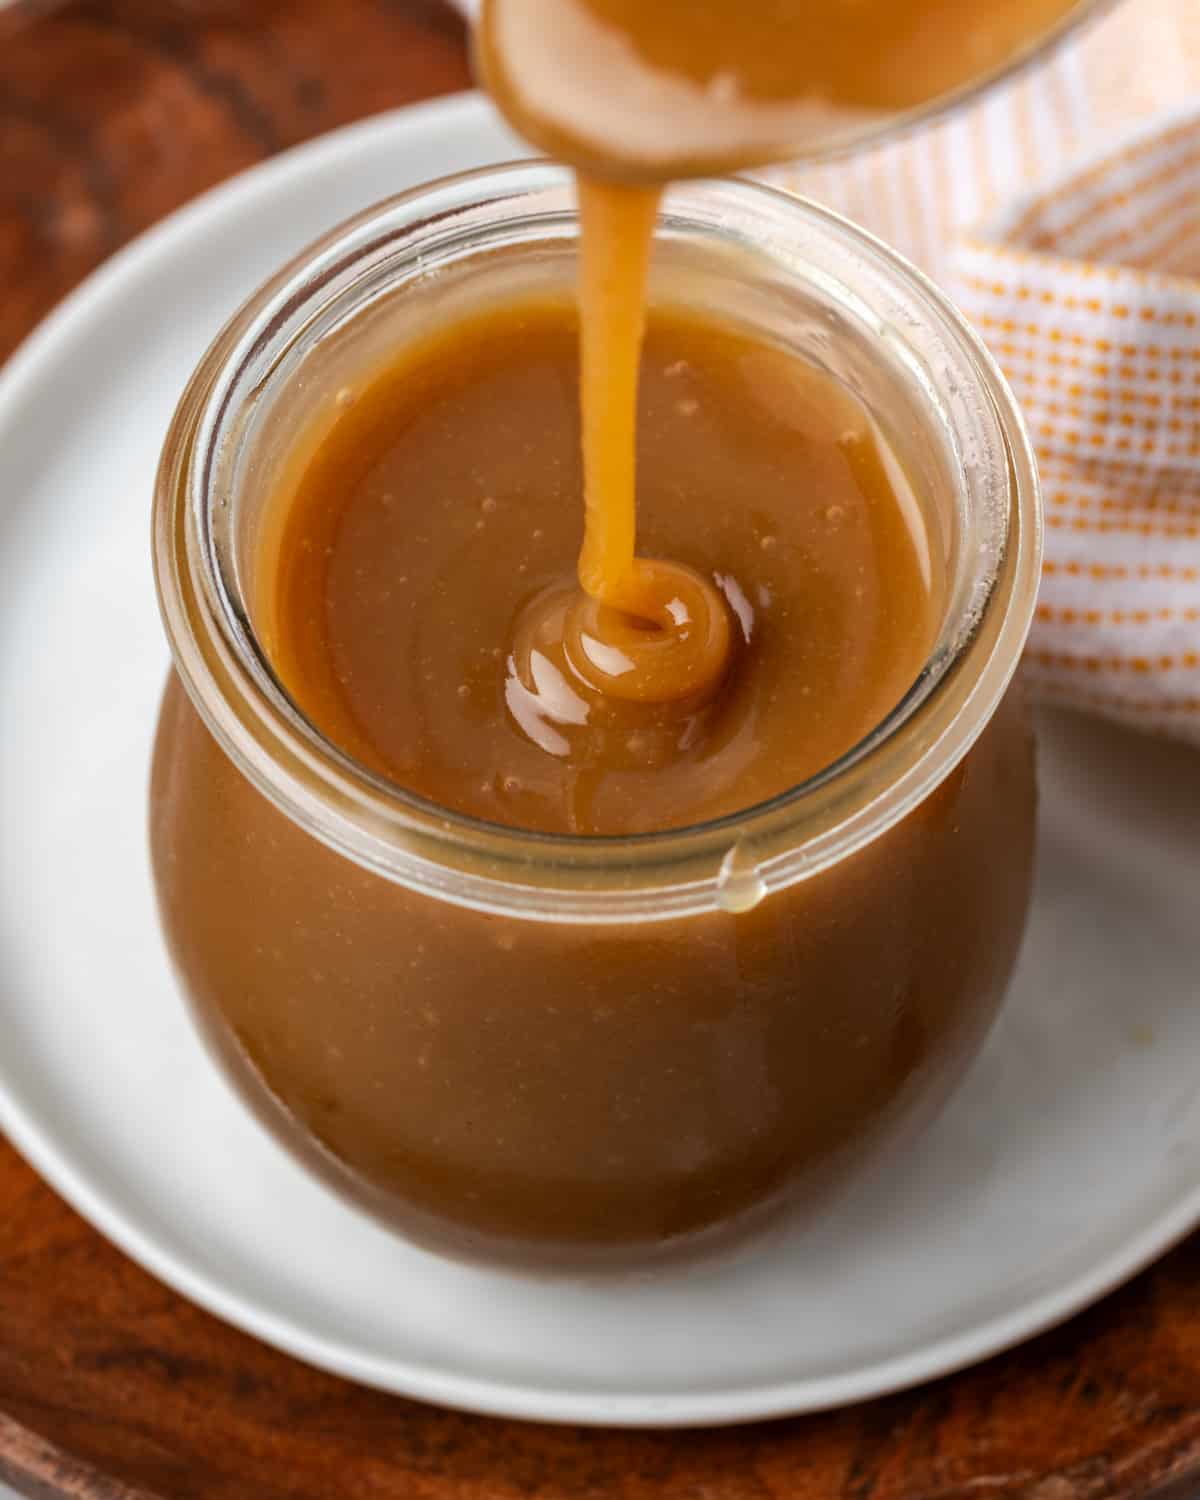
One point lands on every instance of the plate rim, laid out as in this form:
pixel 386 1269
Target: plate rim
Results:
pixel 491 1396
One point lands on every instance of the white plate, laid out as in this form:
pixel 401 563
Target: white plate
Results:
pixel 1070 1157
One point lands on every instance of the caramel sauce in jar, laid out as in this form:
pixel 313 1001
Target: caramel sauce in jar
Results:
pixel 525 963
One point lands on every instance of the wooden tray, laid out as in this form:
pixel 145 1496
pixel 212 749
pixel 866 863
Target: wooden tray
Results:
pixel 113 1388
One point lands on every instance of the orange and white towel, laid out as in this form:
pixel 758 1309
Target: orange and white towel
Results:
pixel 1088 292
pixel 1062 212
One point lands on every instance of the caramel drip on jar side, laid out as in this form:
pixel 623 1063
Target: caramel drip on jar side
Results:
pixel 420 597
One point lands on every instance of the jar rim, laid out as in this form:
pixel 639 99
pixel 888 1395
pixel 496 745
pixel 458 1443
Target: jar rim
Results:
pixel 727 862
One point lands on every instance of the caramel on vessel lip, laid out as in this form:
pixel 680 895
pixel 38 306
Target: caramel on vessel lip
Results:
pixel 625 88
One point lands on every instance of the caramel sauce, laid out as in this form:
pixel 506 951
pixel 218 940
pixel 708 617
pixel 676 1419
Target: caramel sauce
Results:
pixel 661 631
pixel 422 605
pixel 753 591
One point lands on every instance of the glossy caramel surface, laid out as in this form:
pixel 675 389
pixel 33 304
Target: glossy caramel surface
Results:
pixel 565 1089
pixel 418 601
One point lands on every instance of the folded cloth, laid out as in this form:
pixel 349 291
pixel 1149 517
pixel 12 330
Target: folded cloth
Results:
pixel 1088 291
pixel 1062 211
pixel 1071 238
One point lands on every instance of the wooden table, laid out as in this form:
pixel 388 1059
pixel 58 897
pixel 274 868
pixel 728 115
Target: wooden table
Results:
pixel 112 112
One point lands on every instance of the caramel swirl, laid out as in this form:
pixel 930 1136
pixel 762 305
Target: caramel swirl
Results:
pixel 593 684
pixel 640 630
pixel 674 647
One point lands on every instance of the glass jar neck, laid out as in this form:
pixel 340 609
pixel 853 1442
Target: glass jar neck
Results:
pixel 827 290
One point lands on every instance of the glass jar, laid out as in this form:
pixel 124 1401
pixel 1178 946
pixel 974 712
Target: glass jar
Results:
pixel 518 1043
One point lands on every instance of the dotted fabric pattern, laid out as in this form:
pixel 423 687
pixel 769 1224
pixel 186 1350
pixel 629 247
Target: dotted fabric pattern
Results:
pixel 1062 213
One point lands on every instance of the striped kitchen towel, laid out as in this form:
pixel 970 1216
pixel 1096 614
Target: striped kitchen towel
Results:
pixel 1062 212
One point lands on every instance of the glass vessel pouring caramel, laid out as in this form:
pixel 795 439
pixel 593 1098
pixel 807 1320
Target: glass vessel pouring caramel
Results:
pixel 550 895
pixel 625 90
